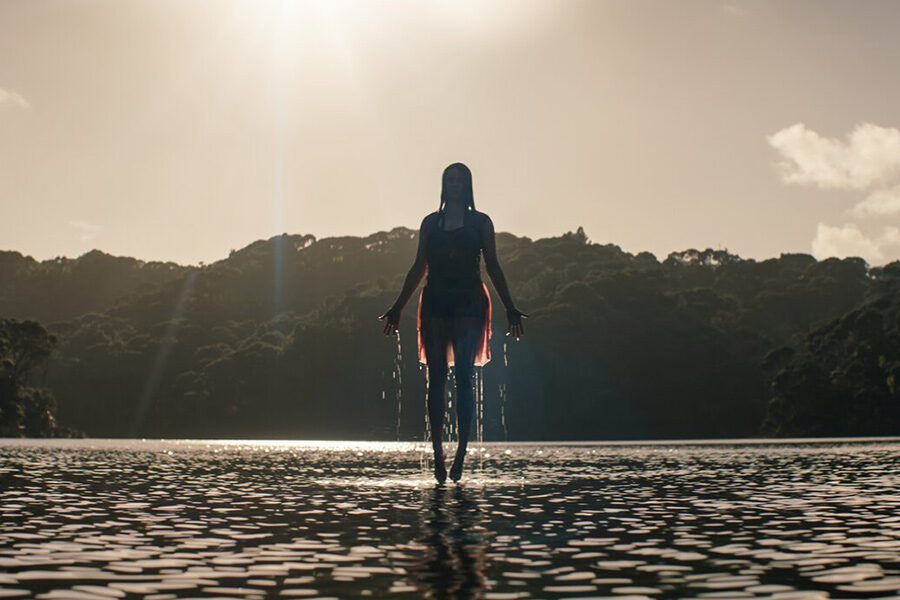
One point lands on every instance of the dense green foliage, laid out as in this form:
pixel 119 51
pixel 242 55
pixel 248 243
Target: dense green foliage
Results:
pixel 64 288
pixel 281 339
pixel 845 377
pixel 25 346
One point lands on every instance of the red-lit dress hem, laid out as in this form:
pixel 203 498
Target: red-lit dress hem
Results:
pixel 482 355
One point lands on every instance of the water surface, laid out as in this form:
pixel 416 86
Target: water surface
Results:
pixel 173 519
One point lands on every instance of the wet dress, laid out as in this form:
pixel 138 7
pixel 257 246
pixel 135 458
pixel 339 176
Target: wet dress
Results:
pixel 454 287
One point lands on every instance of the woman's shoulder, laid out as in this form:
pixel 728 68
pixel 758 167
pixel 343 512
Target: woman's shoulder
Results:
pixel 481 218
pixel 430 219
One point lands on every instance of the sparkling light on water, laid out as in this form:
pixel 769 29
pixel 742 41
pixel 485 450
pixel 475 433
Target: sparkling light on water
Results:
pixel 256 519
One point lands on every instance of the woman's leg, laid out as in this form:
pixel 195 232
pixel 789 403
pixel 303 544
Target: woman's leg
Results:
pixel 435 338
pixel 466 335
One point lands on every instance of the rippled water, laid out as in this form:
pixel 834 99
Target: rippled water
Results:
pixel 171 519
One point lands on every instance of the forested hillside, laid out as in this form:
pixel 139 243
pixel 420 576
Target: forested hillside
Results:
pixel 281 339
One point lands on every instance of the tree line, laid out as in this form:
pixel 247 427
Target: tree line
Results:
pixel 281 340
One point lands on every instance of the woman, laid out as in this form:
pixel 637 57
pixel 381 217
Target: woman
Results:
pixel 454 307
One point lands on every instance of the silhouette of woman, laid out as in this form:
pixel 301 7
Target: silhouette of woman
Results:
pixel 454 319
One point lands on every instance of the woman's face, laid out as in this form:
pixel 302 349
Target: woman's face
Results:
pixel 453 183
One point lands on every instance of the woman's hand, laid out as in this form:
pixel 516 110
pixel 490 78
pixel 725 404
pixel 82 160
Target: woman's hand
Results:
pixel 392 321
pixel 514 318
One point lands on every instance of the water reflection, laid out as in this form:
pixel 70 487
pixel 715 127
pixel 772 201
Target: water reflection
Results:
pixel 453 563
pixel 196 519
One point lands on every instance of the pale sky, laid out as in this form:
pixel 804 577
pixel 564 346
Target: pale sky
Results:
pixel 181 129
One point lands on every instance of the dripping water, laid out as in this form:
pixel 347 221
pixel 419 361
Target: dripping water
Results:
pixel 503 394
pixel 451 431
pixel 424 457
pixel 398 379
pixel 450 421
pixel 479 415
pixel 446 422
pixel 450 428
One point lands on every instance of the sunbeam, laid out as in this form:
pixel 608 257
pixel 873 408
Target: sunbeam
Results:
pixel 169 339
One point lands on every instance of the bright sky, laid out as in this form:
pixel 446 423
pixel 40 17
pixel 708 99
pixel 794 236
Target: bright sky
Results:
pixel 180 129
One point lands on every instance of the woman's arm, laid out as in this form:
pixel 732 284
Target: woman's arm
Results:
pixel 492 265
pixel 413 278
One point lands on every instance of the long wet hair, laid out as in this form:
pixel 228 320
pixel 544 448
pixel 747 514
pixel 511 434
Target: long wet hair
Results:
pixel 468 195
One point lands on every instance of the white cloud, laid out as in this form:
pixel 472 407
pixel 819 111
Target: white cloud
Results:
pixel 87 230
pixel 849 240
pixel 13 98
pixel 869 156
pixel 880 203
pixel 844 241
pixel 868 159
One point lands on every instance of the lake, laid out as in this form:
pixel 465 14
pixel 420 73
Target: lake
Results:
pixel 796 519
